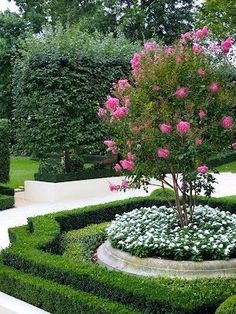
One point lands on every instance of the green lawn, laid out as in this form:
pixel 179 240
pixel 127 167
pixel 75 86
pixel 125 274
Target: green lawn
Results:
pixel 22 168
pixel 230 167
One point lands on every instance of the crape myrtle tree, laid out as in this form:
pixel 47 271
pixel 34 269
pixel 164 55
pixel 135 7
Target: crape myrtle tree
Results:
pixel 174 113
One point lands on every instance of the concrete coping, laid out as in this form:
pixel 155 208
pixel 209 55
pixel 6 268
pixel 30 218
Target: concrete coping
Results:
pixel 151 267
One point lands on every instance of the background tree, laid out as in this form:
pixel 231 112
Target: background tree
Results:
pixel 220 16
pixel 12 28
pixel 163 20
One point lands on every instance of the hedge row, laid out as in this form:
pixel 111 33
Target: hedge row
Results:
pixel 55 298
pixel 6 201
pixel 160 295
pixel 84 174
pixel 222 159
pixel 4 190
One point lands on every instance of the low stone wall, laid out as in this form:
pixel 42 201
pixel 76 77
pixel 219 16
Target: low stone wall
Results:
pixel 125 262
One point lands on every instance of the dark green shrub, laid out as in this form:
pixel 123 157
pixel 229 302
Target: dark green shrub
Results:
pixel 228 306
pixel 7 191
pixel 59 83
pixel 4 150
pixel 6 201
pixel 84 174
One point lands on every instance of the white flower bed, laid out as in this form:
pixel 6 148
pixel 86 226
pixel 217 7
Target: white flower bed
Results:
pixel 155 232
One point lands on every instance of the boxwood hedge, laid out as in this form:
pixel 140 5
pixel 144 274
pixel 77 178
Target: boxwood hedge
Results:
pixel 35 249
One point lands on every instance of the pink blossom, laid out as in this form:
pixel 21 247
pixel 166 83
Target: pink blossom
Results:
pixel 127 164
pixel 187 36
pixel 125 184
pixel 111 103
pixel 165 127
pixel 201 114
pixel 123 84
pixel 181 92
pixel 130 156
pixel 113 187
pixel 109 143
pixel 198 141
pixel 135 61
pixel 226 122
pixel 163 152
pixel 201 72
pixel 226 45
pixel 201 33
pixel 197 49
pixel 150 46
pixel 117 167
pixel 214 87
pixel 101 112
pixel 183 127
pixel 234 146
pixel 155 88
pixel 114 149
pixel 120 112
pixel 202 169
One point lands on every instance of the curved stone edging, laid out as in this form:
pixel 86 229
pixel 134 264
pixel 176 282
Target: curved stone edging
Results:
pixel 125 262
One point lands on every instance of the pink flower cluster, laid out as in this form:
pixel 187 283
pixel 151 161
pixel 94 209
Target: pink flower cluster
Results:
pixel 214 87
pixel 111 146
pixel 135 63
pixel 150 45
pixel 226 122
pixel 122 85
pixel 198 141
pixel 234 146
pixel 226 45
pixel 201 114
pixel 181 92
pixel 199 34
pixel 165 127
pixel 197 49
pixel 201 72
pixel 126 164
pixel 116 187
pixel 112 105
pixel 183 127
pixel 202 169
pixel 163 152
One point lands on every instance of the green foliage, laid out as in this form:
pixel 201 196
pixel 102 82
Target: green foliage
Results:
pixel 12 28
pixel 156 295
pixel 163 20
pixel 4 150
pixel 213 11
pixel 6 201
pixel 50 166
pixel 228 306
pixel 6 191
pixel 58 84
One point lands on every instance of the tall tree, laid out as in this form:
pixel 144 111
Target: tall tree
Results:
pixel 220 16
pixel 145 19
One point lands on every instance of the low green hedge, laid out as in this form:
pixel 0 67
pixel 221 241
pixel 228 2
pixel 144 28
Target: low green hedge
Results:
pixel 222 159
pixel 4 190
pixel 228 306
pixel 55 298
pixel 150 295
pixel 81 175
pixel 6 201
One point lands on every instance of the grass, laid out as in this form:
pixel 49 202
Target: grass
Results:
pixel 22 169
pixel 229 167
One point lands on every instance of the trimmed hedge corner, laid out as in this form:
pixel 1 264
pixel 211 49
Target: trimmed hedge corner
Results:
pixel 228 306
pixel 6 201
